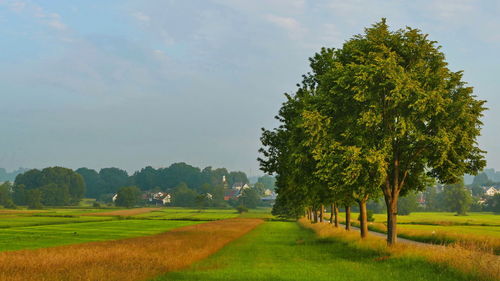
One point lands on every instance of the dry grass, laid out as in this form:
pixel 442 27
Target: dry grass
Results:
pixel 125 213
pixel 465 258
pixel 15 212
pixel 129 259
pixel 485 243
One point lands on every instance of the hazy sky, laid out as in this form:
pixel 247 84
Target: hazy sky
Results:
pixel 136 83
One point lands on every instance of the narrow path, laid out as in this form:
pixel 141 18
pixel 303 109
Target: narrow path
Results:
pixel 402 240
pixel 383 235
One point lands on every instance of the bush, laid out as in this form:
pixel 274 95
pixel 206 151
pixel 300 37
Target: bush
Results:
pixel 9 204
pixel 241 209
pixel 96 204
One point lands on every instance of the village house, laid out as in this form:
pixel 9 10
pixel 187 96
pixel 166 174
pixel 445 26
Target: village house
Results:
pixel 491 191
pixel 159 198
pixel 240 186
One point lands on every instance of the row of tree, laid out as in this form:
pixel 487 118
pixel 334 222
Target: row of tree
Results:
pixel 382 116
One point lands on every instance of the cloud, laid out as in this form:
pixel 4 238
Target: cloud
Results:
pixel 140 16
pixel 291 25
pixel 52 20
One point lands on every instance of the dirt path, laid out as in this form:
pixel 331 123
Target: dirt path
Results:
pixel 125 260
pixel 400 240
pixel 383 235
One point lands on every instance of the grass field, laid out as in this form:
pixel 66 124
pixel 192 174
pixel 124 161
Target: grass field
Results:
pixel 18 238
pixel 285 251
pixel 190 214
pixel 125 260
pixel 20 221
pixel 274 251
pixel 21 229
pixel 434 218
pixel 479 230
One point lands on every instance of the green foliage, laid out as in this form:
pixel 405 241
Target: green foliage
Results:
pixel 241 209
pixel 113 179
pixel 249 198
pixel 493 203
pixel 407 204
pixel 183 196
pixel 6 196
pixel 457 198
pixel 34 199
pixel 57 186
pixel 93 182
pixel 128 196
pixel 369 216
pixel 382 114
pixel 267 181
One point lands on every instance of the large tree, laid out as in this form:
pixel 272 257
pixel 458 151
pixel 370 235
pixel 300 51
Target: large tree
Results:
pixel 405 105
pixel 56 185
pixel 457 198
pixel 93 182
pixel 128 196
pixel 113 179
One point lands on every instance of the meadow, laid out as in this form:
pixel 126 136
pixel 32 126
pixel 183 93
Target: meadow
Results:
pixel 54 227
pixel 189 214
pixel 126 259
pixel 209 243
pixel 479 230
pixel 286 251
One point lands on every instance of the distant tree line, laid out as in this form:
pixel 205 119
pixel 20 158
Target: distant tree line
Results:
pixel 189 186
pixel 103 184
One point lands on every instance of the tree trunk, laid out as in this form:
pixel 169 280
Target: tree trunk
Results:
pixel 363 218
pixel 348 218
pixel 321 213
pixel 331 213
pixel 392 215
pixel 315 214
pixel 336 212
pixel 309 215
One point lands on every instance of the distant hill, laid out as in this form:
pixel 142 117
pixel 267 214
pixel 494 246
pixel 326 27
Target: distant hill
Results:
pixel 10 176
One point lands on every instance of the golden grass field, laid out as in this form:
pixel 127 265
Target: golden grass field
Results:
pixel 125 213
pixel 434 234
pixel 466 258
pixel 125 260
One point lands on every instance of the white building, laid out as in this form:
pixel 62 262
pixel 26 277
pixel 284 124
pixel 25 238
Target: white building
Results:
pixel 491 191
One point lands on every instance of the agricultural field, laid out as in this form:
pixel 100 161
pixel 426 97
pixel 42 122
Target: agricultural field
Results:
pixel 274 250
pixel 481 230
pixel 17 238
pixel 23 229
pixel 189 214
pixel 445 218
pixel 285 251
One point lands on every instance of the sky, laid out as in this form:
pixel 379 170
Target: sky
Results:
pixel 152 82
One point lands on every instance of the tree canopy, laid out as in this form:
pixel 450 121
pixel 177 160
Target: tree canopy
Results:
pixel 382 115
